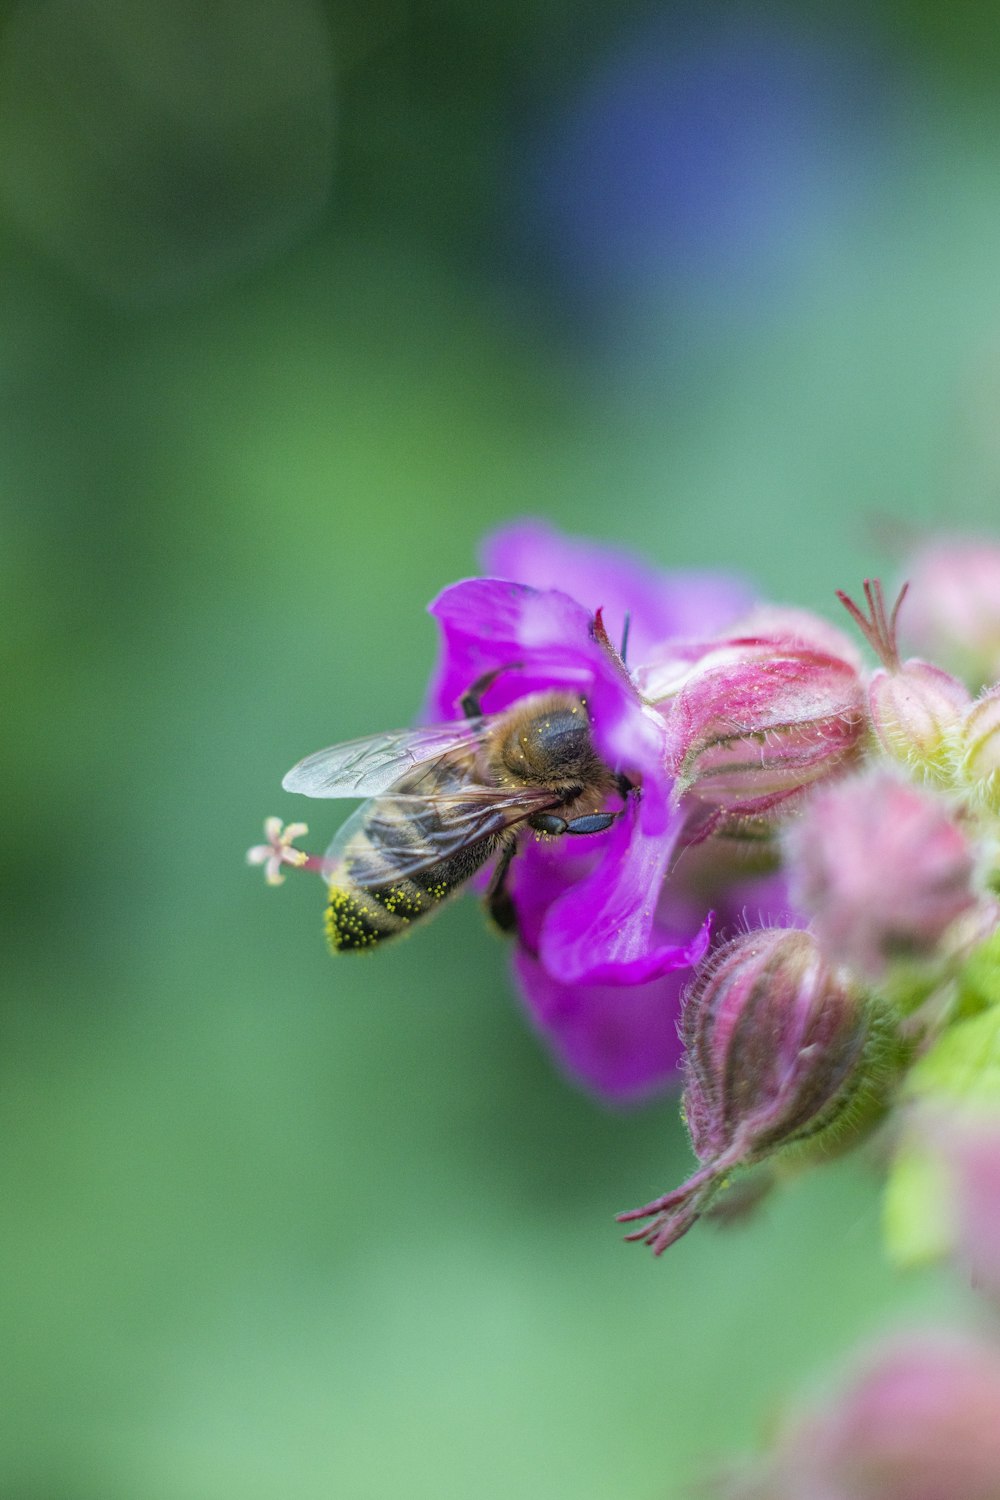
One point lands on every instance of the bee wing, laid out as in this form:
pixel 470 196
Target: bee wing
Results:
pixel 416 832
pixel 368 766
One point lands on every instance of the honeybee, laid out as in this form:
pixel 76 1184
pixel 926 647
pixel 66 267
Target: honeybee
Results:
pixel 444 801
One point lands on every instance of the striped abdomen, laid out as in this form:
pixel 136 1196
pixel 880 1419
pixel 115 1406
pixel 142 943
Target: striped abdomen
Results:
pixel 380 886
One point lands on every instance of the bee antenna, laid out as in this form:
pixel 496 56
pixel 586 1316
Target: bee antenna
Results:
pixel 623 653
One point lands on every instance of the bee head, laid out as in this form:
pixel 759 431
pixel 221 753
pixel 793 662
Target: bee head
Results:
pixel 551 742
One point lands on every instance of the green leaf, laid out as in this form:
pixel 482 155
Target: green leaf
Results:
pixel 916 1214
pixel 963 1066
pixel 979 982
pixel 960 1073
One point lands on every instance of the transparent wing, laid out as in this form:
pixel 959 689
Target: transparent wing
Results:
pixel 366 767
pixel 404 834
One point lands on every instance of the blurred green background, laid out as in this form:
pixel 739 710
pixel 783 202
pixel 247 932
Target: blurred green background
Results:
pixel 296 300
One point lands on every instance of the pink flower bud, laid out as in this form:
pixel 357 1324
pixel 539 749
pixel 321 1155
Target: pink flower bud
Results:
pixel 781 624
pixel 919 1421
pixel 780 1050
pixel 761 718
pixel 954 615
pixel 883 867
pixel 915 707
pixel 915 711
pixel 978 749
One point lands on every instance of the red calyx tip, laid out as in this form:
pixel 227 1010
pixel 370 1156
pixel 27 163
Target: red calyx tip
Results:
pixel 878 627
pixel 600 631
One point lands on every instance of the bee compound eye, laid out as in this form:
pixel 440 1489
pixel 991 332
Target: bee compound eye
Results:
pixel 590 823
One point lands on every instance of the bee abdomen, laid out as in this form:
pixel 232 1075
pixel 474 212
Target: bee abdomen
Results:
pixel 359 918
pixel 362 915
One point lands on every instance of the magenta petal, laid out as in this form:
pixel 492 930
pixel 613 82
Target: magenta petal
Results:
pixel 545 640
pixel 489 623
pixel 543 871
pixel 601 930
pixel 628 736
pixel 510 615
pixel 621 1043
pixel 661 604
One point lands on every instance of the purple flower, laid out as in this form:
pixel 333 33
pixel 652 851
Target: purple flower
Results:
pixel 601 954
pixel 620 1041
pixel 663 606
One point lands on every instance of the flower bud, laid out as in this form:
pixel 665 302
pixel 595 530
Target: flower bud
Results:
pixel 915 712
pixel 781 1049
pixel 915 707
pixel 978 749
pixel 767 629
pixel 883 867
pixel 759 720
pixel 919 1421
pixel 954 615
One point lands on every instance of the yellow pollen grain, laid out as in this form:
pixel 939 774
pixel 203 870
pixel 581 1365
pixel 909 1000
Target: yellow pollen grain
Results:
pixel 343 921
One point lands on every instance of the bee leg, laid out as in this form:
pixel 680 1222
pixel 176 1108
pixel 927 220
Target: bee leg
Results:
pixel 471 700
pixel 498 898
pixel 624 785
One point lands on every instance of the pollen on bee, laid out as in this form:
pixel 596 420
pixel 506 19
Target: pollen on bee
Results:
pixel 398 901
pixel 348 923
